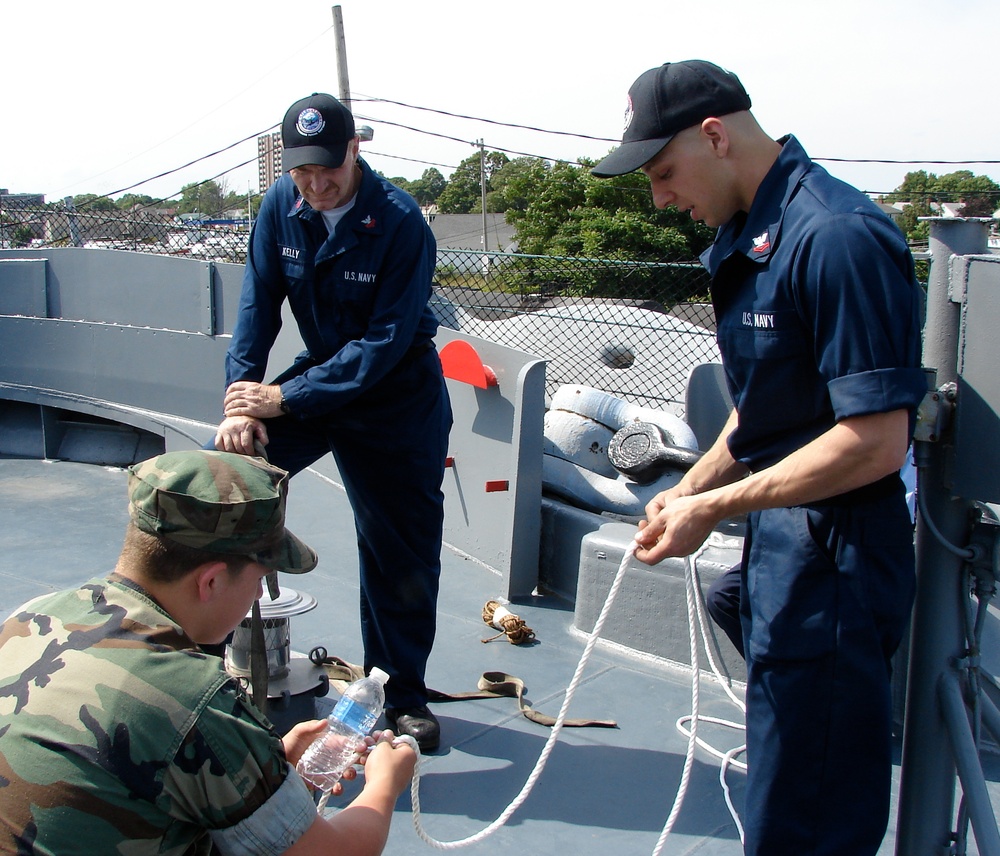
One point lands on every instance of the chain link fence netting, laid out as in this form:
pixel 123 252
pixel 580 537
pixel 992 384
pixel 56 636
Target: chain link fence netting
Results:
pixel 629 328
pixel 634 329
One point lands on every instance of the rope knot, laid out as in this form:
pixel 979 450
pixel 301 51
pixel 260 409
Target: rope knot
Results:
pixel 497 615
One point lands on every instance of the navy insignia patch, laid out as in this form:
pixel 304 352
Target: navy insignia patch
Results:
pixel 310 122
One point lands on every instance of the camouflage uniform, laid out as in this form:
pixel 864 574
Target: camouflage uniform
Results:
pixel 117 733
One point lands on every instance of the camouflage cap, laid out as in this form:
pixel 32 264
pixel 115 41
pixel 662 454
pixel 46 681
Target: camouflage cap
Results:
pixel 218 502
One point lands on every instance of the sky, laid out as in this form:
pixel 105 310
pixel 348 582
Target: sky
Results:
pixel 99 96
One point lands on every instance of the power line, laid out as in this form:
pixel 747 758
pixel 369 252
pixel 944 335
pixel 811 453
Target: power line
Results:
pixel 376 99
pixel 505 151
pixel 487 121
pixel 910 162
pixel 514 152
pixel 469 142
pixel 410 160
pixel 298 49
pixel 192 163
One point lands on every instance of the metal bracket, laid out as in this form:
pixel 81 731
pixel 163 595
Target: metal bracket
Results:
pixel 934 413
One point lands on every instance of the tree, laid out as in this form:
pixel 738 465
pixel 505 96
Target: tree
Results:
pixel 428 187
pixel 464 193
pixel 512 183
pixel 206 197
pixel 562 209
pixel 93 202
pixel 21 236
pixel 979 193
pixel 130 200
pixel 924 192
pixel 400 182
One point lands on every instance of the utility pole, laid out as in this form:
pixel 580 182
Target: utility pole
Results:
pixel 342 78
pixel 365 132
pixel 482 187
pixel 74 230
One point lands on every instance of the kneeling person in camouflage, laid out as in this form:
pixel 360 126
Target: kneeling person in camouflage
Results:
pixel 119 734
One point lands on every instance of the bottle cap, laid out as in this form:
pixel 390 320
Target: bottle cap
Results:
pixel 378 675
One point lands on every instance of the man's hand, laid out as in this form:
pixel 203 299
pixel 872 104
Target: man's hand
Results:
pixel 239 434
pixel 389 764
pixel 300 737
pixel 675 525
pixel 246 404
pixel 260 400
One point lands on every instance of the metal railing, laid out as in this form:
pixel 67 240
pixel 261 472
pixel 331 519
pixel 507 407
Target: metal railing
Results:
pixel 631 328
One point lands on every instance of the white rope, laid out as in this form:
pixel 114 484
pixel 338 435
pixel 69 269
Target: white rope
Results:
pixel 549 744
pixel 727 762
pixel 695 702
pixel 695 619
pixel 728 758
pixel 706 635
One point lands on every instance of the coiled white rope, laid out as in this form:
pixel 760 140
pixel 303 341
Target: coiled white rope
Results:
pixel 728 758
pixel 695 619
pixel 695 701
pixel 549 744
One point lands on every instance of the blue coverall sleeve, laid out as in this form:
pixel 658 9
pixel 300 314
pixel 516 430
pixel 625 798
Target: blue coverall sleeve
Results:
pixel 258 318
pixel 865 313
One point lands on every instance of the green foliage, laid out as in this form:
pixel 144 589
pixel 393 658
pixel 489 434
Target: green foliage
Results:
pixel 917 231
pixel 512 184
pixel 129 200
pixel 564 210
pixel 399 181
pixel 93 202
pixel 21 236
pixel 464 193
pixel 463 190
pixel 561 210
pixel 924 191
pixel 428 187
pixel 200 198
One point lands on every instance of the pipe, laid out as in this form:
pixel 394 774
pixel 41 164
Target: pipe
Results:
pixel 970 770
pixel 927 775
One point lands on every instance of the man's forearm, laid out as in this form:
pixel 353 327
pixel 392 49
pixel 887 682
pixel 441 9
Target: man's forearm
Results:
pixel 716 467
pixel 855 452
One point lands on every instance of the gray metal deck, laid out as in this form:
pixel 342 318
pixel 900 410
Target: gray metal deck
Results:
pixel 603 791
pixel 69 391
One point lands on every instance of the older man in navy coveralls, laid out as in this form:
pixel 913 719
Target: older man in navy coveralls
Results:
pixel 354 258
pixel 818 324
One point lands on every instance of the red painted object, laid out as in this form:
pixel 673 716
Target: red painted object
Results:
pixel 461 362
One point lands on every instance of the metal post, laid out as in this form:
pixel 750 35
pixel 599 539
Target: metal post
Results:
pixel 74 231
pixel 927 776
pixel 482 188
pixel 342 78
pixel 970 769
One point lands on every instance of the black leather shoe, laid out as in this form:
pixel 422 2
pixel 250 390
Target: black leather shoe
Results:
pixel 418 722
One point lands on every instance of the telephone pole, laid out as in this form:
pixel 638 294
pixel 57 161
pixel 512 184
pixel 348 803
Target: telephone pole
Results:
pixel 342 78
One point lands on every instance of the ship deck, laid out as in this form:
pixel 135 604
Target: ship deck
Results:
pixel 602 790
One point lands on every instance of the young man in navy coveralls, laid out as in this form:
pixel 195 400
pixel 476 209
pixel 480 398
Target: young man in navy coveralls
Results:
pixel 354 258
pixel 818 324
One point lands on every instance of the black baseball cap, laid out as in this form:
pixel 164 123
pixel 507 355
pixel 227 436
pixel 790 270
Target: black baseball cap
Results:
pixel 316 130
pixel 663 102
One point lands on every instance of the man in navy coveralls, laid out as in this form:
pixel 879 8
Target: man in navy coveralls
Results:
pixel 818 325
pixel 352 255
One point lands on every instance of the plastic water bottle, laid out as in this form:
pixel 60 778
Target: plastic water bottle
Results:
pixel 355 715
